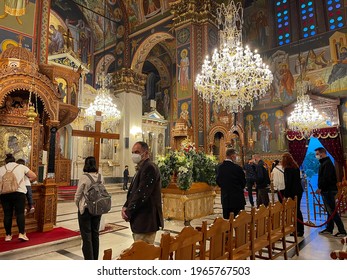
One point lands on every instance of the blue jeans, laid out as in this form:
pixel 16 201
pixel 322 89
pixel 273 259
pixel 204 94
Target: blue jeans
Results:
pixel 329 204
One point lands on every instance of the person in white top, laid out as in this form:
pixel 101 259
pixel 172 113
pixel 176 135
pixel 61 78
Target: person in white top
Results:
pixel 15 200
pixel 277 178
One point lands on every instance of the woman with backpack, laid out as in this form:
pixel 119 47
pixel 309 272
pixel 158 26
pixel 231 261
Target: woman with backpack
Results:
pixel 12 195
pixel 89 224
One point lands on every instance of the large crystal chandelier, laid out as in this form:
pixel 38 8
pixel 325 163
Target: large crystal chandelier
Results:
pixel 235 76
pixel 103 101
pixel 304 119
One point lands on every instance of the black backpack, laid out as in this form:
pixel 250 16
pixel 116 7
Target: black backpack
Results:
pixel 98 200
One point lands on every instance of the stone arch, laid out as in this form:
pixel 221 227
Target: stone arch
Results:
pixel 219 128
pixel 162 70
pixel 106 60
pixel 45 92
pixel 145 47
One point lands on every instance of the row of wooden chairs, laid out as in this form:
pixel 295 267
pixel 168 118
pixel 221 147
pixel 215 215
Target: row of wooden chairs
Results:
pixel 245 236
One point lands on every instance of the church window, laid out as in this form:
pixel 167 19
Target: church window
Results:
pixel 335 14
pixel 308 19
pixel 283 28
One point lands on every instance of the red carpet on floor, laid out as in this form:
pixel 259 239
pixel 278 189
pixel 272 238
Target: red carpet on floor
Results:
pixel 36 238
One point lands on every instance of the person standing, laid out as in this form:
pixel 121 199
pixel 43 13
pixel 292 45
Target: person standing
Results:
pixel 262 181
pixel 293 187
pixel 327 188
pixel 277 177
pixel 231 179
pixel 89 225
pixel 15 200
pixel 143 206
pixel 125 178
pixel 250 172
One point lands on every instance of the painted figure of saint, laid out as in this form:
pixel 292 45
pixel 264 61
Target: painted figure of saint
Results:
pixel 183 73
pixel 185 113
pixel 57 40
pixel 265 132
pixel 280 130
pixel 15 8
pixel 340 69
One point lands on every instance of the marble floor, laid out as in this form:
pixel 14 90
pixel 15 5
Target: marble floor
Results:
pixel 312 246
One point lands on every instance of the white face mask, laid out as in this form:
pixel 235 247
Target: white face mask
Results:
pixel 237 158
pixel 136 158
pixel 318 157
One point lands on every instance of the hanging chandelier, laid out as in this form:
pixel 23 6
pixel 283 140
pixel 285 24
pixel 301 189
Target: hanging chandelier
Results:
pixel 235 76
pixel 103 101
pixel 304 119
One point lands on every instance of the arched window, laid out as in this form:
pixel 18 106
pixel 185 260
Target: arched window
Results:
pixel 307 14
pixel 334 14
pixel 282 16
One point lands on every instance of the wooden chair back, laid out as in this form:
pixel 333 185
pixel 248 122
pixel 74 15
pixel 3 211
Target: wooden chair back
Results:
pixel 241 235
pixel 107 254
pixel 290 224
pixel 183 246
pixel 215 239
pixel 140 250
pixel 276 230
pixel 261 231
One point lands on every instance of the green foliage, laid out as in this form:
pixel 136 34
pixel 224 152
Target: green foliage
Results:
pixel 189 166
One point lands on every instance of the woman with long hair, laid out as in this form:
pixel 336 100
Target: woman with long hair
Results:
pixel 89 224
pixel 293 186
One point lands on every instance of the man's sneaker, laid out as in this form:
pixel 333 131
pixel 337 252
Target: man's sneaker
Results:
pixel 23 237
pixel 32 210
pixel 325 231
pixel 340 234
pixel 8 238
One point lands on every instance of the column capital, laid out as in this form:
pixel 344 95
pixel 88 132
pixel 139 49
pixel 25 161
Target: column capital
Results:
pixel 52 123
pixel 129 80
pixel 196 11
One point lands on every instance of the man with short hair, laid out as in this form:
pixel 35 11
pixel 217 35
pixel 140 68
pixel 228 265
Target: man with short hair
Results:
pixel 250 172
pixel 231 179
pixel 143 205
pixel 327 188
pixel 262 181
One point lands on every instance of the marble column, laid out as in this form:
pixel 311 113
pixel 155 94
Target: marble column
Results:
pixel 128 89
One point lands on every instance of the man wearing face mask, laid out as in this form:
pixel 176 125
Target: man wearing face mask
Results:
pixel 143 207
pixel 327 188
pixel 231 179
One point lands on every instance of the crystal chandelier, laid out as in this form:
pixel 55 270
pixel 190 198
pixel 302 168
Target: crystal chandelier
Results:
pixel 103 101
pixel 235 76
pixel 304 119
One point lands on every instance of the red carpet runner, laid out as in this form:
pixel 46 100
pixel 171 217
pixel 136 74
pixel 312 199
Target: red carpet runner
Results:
pixel 36 238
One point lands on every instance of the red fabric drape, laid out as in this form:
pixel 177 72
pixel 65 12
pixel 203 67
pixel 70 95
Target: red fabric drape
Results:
pixel 329 137
pixel 298 149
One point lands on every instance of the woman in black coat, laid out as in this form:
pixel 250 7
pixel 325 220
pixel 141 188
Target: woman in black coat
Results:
pixel 293 186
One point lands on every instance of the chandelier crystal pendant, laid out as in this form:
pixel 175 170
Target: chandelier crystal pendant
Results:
pixel 305 119
pixel 235 76
pixel 103 101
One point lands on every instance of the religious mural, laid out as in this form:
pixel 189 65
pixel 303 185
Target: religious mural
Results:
pixel 10 39
pixel 265 131
pixel 184 111
pixel 256 25
pixel 18 15
pixel 184 81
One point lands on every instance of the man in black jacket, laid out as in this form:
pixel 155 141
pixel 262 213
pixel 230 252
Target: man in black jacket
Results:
pixel 231 179
pixel 327 189
pixel 262 181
